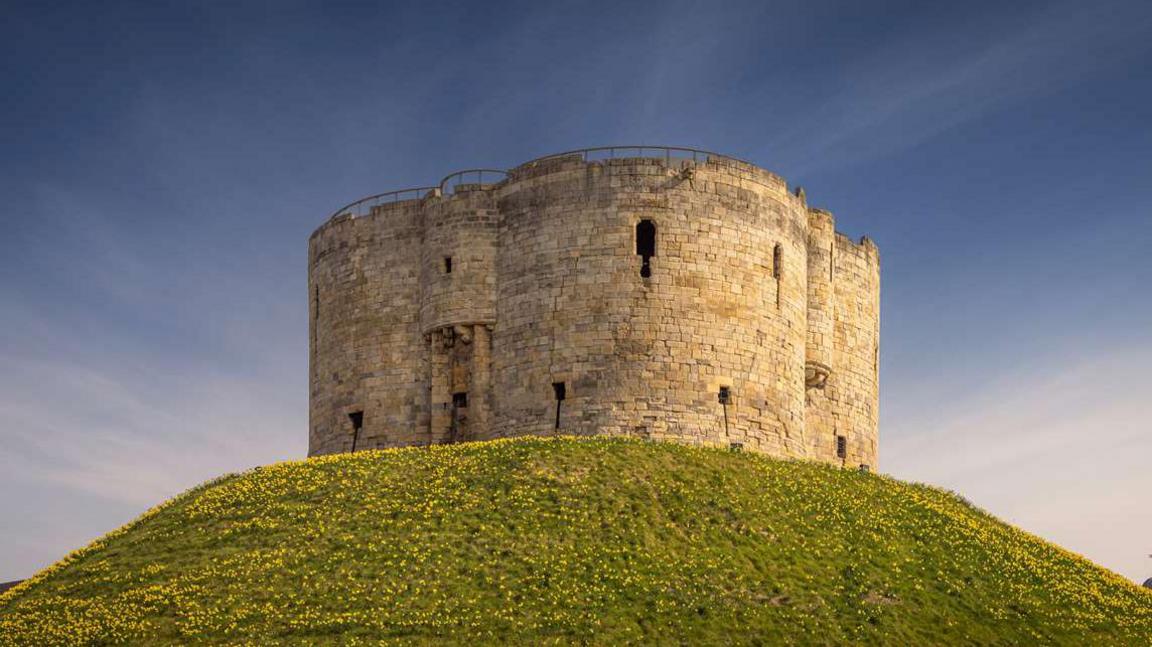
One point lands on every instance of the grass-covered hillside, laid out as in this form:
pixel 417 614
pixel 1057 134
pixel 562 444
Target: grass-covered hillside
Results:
pixel 605 542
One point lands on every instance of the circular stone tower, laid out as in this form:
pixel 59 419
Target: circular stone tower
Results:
pixel 662 293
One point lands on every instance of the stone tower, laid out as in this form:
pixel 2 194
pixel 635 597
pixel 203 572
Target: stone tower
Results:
pixel 660 293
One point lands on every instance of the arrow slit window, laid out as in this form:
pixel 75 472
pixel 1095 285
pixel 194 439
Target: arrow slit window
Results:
pixel 645 246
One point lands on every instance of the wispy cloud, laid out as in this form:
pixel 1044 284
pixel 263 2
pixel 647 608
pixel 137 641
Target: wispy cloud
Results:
pixel 899 96
pixel 96 430
pixel 1059 448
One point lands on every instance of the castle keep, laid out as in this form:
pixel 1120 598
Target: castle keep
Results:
pixel 659 293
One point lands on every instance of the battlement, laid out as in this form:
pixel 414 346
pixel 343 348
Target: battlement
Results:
pixel 658 292
pixel 864 246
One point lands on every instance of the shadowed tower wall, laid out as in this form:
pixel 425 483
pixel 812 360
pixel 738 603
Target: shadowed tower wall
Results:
pixel 690 300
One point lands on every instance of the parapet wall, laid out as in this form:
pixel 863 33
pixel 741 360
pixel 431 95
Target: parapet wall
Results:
pixel 539 305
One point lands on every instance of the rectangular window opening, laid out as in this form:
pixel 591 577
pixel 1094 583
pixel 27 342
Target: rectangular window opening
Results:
pixel 559 391
pixel 447 264
pixel 460 400
pixel 841 447
pixel 357 420
pixel 725 395
pixel 315 317
pixel 645 246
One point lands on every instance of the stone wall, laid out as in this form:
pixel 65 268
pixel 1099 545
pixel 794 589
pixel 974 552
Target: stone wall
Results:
pixel 747 290
pixel 368 352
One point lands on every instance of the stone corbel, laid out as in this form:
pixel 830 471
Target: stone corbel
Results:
pixel 463 333
pixel 816 374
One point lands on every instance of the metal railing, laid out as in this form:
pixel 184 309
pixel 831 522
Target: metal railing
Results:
pixel 668 153
pixel 364 206
pixel 448 184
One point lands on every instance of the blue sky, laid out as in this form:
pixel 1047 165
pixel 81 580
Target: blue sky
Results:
pixel 163 163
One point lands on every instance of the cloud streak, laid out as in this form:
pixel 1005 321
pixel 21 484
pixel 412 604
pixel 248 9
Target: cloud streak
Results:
pixel 1059 449
pixel 922 85
pixel 90 429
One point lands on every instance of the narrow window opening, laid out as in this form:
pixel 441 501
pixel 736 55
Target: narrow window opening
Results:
pixel 559 391
pixel 841 447
pixel 315 316
pixel 459 415
pixel 725 395
pixel 357 420
pixel 447 264
pixel 777 269
pixel 645 246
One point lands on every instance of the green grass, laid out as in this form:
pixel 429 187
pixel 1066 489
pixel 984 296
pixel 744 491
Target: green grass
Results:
pixel 595 541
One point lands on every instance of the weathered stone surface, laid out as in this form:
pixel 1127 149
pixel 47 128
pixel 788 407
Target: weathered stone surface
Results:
pixel 749 289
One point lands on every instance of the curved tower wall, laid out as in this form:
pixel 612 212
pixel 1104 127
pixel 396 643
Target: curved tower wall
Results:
pixel 367 348
pixel 821 301
pixel 856 389
pixel 820 349
pixel 648 356
pixel 458 260
pixel 546 289
pixel 846 404
pixel 458 310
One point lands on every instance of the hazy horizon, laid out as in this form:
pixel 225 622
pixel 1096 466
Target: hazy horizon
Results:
pixel 164 164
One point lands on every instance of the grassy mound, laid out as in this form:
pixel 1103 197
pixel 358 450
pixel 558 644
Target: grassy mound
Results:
pixel 571 541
